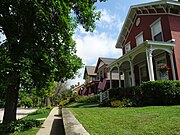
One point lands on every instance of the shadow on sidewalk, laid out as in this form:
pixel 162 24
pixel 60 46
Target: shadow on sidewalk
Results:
pixel 57 126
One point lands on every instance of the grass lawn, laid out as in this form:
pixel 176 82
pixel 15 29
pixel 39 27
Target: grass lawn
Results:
pixel 40 113
pixel 154 120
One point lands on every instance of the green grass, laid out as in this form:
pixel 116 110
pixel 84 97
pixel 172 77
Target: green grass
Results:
pixel 40 113
pixel 154 120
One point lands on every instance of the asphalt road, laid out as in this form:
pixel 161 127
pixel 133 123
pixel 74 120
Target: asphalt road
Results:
pixel 21 112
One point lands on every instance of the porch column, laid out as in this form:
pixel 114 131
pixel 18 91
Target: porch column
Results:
pixel 132 72
pixel 150 63
pixel 172 65
pixel 110 79
pixel 119 76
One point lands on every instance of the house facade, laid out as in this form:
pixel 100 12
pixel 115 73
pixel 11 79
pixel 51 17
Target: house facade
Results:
pixel 150 41
pixel 91 82
pixel 103 74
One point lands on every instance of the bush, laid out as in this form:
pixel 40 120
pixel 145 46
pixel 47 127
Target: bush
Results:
pixel 39 111
pixel 88 99
pixel 117 103
pixel 18 125
pixel 49 107
pixel 106 103
pixel 26 101
pixel 64 102
pixel 161 92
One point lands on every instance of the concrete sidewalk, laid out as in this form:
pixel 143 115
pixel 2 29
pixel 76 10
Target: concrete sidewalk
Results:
pixel 53 125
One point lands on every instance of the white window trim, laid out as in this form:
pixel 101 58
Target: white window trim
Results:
pixel 129 43
pixel 158 20
pixel 141 33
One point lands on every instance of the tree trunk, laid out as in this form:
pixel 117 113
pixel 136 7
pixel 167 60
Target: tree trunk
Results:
pixel 11 98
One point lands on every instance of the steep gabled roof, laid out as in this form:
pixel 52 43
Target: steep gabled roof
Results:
pixel 165 6
pixel 106 61
pixel 90 71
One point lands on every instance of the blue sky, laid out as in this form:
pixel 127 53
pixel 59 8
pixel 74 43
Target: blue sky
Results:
pixel 101 43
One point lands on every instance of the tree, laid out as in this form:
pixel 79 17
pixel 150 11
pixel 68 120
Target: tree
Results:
pixel 39 48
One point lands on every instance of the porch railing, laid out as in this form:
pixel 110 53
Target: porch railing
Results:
pixel 104 95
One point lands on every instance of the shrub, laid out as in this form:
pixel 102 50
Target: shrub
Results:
pixel 18 125
pixel 117 103
pixel 64 102
pixel 26 101
pixel 39 111
pixel 49 107
pixel 106 103
pixel 88 99
pixel 161 92
pixel 124 103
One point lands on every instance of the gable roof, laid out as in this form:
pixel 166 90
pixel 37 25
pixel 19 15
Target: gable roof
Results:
pixel 145 8
pixel 90 71
pixel 106 61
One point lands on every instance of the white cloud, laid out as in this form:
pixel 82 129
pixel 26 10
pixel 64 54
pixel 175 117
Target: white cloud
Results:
pixel 109 21
pixel 106 16
pixel 91 46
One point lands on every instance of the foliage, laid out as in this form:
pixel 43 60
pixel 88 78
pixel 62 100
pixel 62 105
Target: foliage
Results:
pixel 161 92
pixel 49 107
pixel 88 99
pixel 64 102
pixel 19 125
pixel 39 48
pixel 154 120
pixel 26 101
pixel 124 103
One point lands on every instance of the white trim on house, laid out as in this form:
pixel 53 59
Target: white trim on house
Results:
pixel 139 38
pixel 128 47
pixel 156 28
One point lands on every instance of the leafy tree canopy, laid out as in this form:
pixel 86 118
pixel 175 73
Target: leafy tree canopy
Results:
pixel 39 48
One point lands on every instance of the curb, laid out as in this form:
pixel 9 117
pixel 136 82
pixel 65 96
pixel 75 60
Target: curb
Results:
pixel 71 124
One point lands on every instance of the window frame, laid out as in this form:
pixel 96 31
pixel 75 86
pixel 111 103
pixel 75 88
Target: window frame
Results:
pixel 128 44
pixel 161 31
pixel 138 36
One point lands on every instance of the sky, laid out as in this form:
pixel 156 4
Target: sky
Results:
pixel 101 43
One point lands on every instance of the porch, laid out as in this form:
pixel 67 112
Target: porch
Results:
pixel 144 63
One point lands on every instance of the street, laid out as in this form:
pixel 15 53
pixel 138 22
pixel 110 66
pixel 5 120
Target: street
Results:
pixel 21 112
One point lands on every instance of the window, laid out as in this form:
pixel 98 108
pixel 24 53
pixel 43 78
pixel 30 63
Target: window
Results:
pixel 159 62
pixel 127 47
pixel 139 39
pixel 156 31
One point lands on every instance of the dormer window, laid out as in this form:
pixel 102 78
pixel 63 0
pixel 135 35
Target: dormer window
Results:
pixel 127 47
pixel 156 30
pixel 139 39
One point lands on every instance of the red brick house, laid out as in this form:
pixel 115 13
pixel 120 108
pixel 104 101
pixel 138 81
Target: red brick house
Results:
pixel 150 40
pixel 91 82
pixel 103 75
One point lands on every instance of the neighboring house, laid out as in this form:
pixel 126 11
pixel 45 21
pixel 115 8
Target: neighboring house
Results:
pixel 103 75
pixel 150 40
pixel 78 89
pixel 91 83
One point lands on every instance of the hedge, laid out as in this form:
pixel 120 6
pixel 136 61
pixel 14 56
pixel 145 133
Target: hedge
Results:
pixel 161 92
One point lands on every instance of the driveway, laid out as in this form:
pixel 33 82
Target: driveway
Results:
pixel 21 112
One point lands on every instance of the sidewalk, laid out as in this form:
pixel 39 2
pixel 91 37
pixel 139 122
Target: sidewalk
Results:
pixel 53 125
